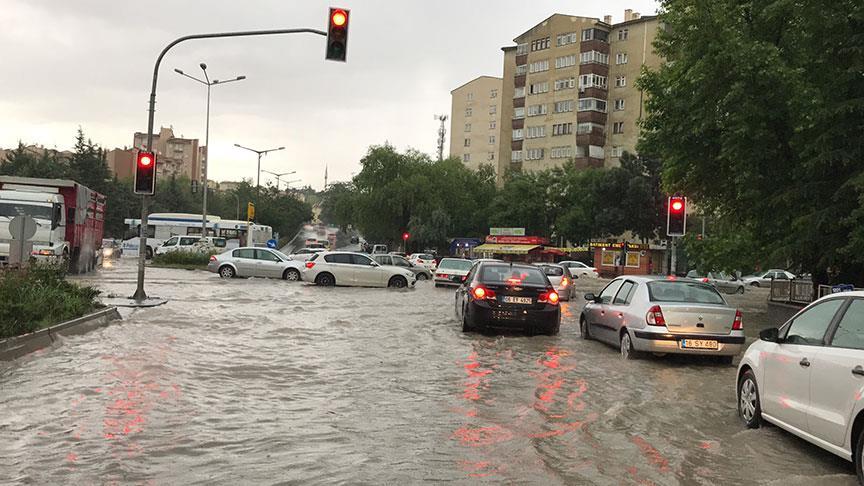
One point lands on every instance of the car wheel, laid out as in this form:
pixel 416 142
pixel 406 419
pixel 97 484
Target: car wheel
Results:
pixel 755 284
pixel 422 276
pixel 438 286
pixel 397 282
pixel 466 326
pixel 148 253
pixel 627 351
pixel 226 272
pixel 291 274
pixel 325 280
pixel 740 289
pixel 749 405
pixel 583 329
pixel 859 457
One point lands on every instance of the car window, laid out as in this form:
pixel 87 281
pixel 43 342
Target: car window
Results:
pixel 810 326
pixel 266 256
pixel 553 271
pixel 781 276
pixel 361 260
pixel 610 291
pixel 850 331
pixel 507 274
pixel 400 262
pixel 455 264
pixel 624 293
pixel 171 241
pixel 244 253
pixel 187 241
pixel 338 258
pixel 220 242
pixel 678 291
pixel 381 259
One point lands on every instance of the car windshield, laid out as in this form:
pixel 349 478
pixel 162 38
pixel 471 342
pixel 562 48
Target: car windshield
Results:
pixel 553 271
pixel 12 209
pixel 513 275
pixel 281 255
pixel 424 256
pixel 686 292
pixel 455 264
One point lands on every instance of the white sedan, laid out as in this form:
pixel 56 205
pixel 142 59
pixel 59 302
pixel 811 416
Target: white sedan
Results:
pixel 580 270
pixel 808 377
pixel 344 268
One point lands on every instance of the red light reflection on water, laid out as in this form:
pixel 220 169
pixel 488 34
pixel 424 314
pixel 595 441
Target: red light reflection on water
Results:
pixel 651 453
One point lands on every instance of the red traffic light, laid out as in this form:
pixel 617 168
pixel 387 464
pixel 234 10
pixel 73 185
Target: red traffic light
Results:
pixel 339 18
pixel 337 35
pixel 677 206
pixel 405 236
pixel 144 160
pixel 145 173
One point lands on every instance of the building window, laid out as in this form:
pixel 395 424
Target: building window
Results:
pixel 519 92
pixel 565 61
pixel 468 111
pixel 538 88
pixel 619 104
pixel 521 69
pixel 535 132
pixel 589 127
pixel 592 81
pixel 467 127
pixel 623 34
pixel 518 113
pixel 536 110
pixel 592 104
pixel 521 49
pixel 595 34
pixel 516 155
pixel 518 134
pixel 466 157
pixel 492 125
pixel 618 128
pixel 467 142
pixel 564 106
pixel 561 152
pixel 491 156
pixel 620 81
pixel 491 139
pixel 539 66
pixel 566 39
pixel 493 109
pixel 595 57
pixel 562 129
pixel 470 96
pixel 493 93
pixel 566 83
pixel 621 58
pixel 540 44
pixel 534 154
pixel 616 151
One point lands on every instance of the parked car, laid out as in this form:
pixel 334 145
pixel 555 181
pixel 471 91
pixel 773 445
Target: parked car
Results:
pixel 424 259
pixel 498 295
pixel 580 270
pixel 354 269
pixel 663 315
pixel 305 253
pixel 379 249
pixel 806 377
pixel 255 262
pixel 420 272
pixel 722 281
pixel 560 278
pixel 177 243
pixel 763 279
pixel 452 271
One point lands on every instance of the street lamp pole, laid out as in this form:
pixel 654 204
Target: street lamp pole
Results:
pixel 206 82
pixel 279 176
pixel 258 183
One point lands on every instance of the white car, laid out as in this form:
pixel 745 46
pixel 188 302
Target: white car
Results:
pixel 808 377
pixel 452 271
pixel 305 253
pixel 344 268
pixel 580 270
pixel 424 260
pixel 763 279
pixel 177 243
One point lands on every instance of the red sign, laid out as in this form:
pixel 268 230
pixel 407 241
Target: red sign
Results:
pixel 517 240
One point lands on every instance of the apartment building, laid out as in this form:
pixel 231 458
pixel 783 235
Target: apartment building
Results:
pixel 475 122
pixel 568 93
pixel 121 162
pixel 177 156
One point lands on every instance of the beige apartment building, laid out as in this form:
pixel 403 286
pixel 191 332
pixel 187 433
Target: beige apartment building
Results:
pixel 475 125
pixel 177 156
pixel 569 93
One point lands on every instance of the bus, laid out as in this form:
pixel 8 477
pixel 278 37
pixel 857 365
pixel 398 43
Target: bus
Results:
pixel 237 233
pixel 162 226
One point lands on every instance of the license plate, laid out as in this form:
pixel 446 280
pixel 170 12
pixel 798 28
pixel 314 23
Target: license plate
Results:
pixel 456 278
pixel 699 344
pixel 507 299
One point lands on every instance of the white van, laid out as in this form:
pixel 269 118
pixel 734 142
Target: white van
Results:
pixel 379 250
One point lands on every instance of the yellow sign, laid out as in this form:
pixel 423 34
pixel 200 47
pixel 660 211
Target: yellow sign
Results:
pixel 505 249
pixel 250 211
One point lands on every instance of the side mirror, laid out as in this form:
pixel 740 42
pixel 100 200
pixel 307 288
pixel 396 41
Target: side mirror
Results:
pixel 771 335
pixel 589 297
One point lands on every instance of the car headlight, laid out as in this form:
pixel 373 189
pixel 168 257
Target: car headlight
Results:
pixel 42 252
pixel 107 251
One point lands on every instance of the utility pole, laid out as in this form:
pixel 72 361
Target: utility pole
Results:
pixel 442 132
pixel 673 265
pixel 258 182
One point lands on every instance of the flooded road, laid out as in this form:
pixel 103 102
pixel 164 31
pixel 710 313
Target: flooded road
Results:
pixel 262 382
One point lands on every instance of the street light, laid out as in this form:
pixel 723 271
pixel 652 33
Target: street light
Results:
pixel 279 176
pixel 260 153
pixel 209 84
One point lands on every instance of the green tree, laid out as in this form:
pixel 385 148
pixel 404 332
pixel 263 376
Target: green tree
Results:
pixel 23 162
pixel 87 164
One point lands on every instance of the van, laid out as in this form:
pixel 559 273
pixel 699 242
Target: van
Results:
pixel 379 250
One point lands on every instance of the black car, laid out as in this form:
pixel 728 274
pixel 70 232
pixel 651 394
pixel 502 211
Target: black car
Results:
pixel 497 295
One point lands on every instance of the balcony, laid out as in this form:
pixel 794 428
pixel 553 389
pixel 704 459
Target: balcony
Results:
pixel 516 145
pixel 595 137
pixel 594 68
pixel 521 59
pixel 519 80
pixel 594 45
pixel 519 102
pixel 587 162
pixel 593 92
pixel 518 123
pixel 591 116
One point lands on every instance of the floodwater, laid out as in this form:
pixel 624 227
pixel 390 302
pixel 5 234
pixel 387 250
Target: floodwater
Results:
pixel 263 382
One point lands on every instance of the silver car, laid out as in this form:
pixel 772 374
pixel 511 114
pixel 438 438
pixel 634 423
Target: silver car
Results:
pixel 662 315
pixel 255 262
pixel 560 278
pixel 724 282
pixel 421 272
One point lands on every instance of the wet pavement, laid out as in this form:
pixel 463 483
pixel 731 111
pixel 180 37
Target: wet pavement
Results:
pixel 261 382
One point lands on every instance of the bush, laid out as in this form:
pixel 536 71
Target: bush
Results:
pixel 182 258
pixel 38 297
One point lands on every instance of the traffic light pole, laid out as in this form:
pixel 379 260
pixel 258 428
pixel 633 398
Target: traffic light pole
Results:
pixel 140 295
pixel 673 265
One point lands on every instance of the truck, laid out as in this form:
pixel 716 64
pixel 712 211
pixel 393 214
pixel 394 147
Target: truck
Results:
pixel 69 217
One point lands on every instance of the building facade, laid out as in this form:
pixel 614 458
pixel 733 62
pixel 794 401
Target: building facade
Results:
pixel 177 156
pixel 475 122
pixel 121 162
pixel 568 93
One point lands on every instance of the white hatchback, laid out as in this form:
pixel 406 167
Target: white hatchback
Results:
pixel 580 270
pixel 808 377
pixel 452 271
pixel 354 269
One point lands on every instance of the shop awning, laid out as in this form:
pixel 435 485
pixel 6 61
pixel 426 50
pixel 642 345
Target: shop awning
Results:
pixel 505 249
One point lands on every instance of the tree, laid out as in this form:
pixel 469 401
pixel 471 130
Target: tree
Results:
pixel 22 162
pixel 87 164
pixel 337 205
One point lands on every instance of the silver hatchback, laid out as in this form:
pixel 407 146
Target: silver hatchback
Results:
pixel 647 314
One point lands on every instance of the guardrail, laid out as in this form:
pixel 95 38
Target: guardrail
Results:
pixel 794 291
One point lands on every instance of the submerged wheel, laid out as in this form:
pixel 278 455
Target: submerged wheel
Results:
pixel 226 272
pixel 325 280
pixel 398 282
pixel 583 328
pixel 749 405
pixel 422 276
pixel 627 351
pixel 291 274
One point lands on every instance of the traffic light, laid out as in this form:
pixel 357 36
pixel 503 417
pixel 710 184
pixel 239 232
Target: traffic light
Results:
pixel 250 211
pixel 145 173
pixel 337 34
pixel 676 216
pixel 405 236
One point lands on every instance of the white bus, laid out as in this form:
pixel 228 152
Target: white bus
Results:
pixel 237 233
pixel 162 226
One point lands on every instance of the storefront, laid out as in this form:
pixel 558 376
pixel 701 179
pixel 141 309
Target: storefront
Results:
pixel 639 259
pixel 513 248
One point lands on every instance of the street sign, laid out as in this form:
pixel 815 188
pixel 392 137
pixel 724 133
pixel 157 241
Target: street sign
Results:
pixel 507 231
pixel 272 244
pixel 842 288
pixel 22 227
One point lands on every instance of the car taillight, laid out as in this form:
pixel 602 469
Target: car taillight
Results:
pixel 705 279
pixel 738 324
pixel 550 297
pixel 553 297
pixel 480 293
pixel 442 275
pixel 212 258
pixel 655 317
pixel 310 264
pixel 564 282
pixel 464 277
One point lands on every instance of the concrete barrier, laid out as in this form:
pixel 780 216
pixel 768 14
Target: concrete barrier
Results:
pixel 18 346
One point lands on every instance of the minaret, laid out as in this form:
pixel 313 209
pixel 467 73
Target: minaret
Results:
pixel 325 177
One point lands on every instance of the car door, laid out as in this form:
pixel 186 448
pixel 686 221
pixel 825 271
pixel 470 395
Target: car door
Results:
pixel 367 272
pixel 186 243
pixel 170 245
pixel 383 259
pixel 341 265
pixel 788 364
pixel 267 264
pixel 837 377
pixel 244 261
pixel 597 318
pixel 402 263
pixel 617 315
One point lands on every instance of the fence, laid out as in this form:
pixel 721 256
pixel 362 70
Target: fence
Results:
pixel 795 291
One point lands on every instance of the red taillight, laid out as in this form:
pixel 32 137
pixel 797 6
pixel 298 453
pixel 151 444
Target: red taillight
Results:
pixel 212 258
pixel 655 317
pixel 738 324
pixel 671 277
pixel 550 297
pixel 442 275
pixel 310 264
pixel 480 293
pixel 564 282
pixel 553 297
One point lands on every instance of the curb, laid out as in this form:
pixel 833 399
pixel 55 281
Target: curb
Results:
pixel 16 347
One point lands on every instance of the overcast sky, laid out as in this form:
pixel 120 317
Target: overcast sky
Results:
pixel 89 62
